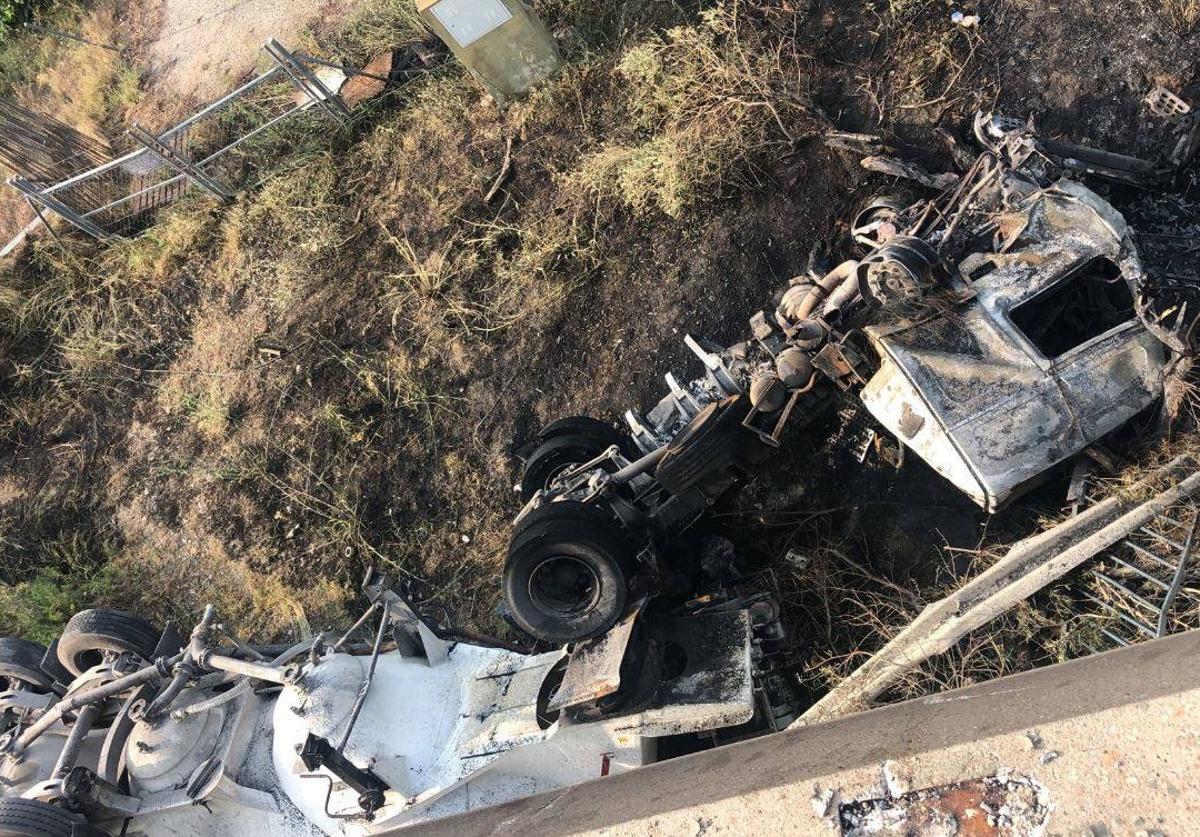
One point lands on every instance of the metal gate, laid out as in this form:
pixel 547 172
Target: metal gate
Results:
pixel 208 150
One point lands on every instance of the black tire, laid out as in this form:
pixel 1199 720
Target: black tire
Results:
pixel 566 577
pixel 33 818
pixel 565 443
pixel 53 667
pixel 586 426
pixel 714 440
pixel 21 661
pixel 92 632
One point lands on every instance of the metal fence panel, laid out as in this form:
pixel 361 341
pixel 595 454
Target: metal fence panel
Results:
pixel 213 149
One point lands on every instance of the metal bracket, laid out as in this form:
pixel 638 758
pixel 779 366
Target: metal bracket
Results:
pixel 715 366
pixel 304 78
pixel 318 753
pixel 840 364
pixel 772 438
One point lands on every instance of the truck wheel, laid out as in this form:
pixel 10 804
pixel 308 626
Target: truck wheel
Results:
pixel 566 577
pixel 568 442
pixel 21 665
pixel 34 818
pixel 91 633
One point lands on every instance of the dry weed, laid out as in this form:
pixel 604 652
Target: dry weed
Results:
pixel 703 100
pixel 1183 13
pixel 375 26
pixel 87 87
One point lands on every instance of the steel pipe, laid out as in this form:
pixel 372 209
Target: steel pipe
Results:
pixel 86 697
pixel 84 722
pixel 825 287
pixel 258 671
pixel 184 672
pixel 639 467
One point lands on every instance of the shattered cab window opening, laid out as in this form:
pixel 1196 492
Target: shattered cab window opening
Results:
pixel 1091 302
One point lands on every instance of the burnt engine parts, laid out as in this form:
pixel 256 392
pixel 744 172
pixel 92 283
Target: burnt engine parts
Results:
pixel 938 329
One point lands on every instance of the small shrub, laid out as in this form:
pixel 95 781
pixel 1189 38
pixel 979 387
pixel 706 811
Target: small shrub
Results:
pixel 74 579
pixel 704 100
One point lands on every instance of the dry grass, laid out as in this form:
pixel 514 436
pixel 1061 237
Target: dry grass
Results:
pixel 854 611
pixel 375 25
pixel 84 86
pixel 1185 14
pixel 859 612
pixel 703 100
pixel 162 587
pixel 382 286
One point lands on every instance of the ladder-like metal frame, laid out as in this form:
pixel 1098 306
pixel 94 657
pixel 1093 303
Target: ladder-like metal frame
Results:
pixel 169 149
pixel 1143 577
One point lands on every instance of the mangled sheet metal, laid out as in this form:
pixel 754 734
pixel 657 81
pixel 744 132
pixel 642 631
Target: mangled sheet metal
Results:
pixel 594 671
pixel 1040 331
pixel 1046 332
pixel 995 392
pixel 996 330
pixel 704 674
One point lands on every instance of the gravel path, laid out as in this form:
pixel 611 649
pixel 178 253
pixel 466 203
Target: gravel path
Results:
pixel 203 47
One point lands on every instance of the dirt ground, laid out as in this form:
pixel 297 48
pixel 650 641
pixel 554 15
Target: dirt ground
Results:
pixel 201 48
pixel 403 375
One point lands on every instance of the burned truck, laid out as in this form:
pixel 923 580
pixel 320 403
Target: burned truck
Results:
pixel 994 330
pixel 122 728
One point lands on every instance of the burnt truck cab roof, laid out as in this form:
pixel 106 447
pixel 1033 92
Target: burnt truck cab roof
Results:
pixel 1044 355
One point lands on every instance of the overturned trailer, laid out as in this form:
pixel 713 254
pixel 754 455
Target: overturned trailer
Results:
pixel 994 330
pixel 120 728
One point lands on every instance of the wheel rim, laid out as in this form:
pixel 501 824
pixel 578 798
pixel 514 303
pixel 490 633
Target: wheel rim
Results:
pixel 19 680
pixel 89 658
pixel 12 683
pixel 558 472
pixel 564 586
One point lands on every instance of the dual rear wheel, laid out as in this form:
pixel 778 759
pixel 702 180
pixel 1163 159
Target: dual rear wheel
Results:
pixel 567 574
pixel 566 577
pixel 88 639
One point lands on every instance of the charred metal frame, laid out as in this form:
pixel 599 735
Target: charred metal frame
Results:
pixel 922 328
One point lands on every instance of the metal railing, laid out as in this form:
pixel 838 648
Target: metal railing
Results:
pixel 210 150
pixel 1144 587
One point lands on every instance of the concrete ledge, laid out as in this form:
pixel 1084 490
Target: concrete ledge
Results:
pixel 1125 721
